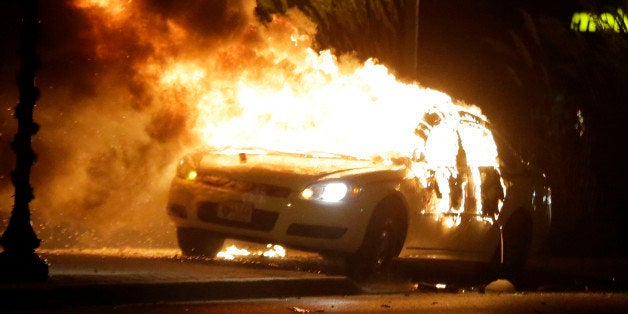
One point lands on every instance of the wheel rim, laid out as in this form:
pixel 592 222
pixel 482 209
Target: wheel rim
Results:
pixel 384 247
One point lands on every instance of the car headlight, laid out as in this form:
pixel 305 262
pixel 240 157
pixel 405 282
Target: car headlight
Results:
pixel 186 169
pixel 329 191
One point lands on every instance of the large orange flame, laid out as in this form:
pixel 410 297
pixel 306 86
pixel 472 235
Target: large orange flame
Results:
pixel 270 89
pixel 265 86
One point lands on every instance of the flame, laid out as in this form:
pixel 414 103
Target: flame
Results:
pixel 265 86
pixel 274 250
pixel 232 251
pixel 276 92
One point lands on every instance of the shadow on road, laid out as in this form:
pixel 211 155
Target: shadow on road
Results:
pixel 546 274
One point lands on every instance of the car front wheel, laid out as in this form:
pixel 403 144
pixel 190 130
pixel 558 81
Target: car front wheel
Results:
pixel 198 242
pixel 381 244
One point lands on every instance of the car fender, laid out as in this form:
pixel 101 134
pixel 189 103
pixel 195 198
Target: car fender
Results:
pixel 381 192
pixel 537 206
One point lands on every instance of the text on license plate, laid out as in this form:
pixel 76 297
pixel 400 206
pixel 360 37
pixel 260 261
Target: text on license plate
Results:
pixel 236 211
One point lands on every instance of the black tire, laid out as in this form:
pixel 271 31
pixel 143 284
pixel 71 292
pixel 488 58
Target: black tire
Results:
pixel 198 242
pixel 516 237
pixel 382 242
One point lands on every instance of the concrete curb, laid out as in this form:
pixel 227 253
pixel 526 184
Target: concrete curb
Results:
pixel 47 296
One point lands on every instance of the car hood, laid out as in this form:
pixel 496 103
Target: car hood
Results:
pixel 292 170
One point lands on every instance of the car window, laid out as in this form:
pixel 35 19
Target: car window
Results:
pixel 509 161
pixel 478 144
pixel 441 146
pixel 462 161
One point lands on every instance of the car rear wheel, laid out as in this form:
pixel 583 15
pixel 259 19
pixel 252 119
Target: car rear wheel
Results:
pixel 382 243
pixel 198 242
pixel 516 237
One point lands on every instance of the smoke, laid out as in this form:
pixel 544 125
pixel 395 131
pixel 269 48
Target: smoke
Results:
pixel 108 143
pixel 210 20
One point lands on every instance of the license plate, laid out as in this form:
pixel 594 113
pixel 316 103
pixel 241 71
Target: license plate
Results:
pixel 236 211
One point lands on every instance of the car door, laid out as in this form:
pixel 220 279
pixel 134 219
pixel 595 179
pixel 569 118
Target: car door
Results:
pixel 433 221
pixel 461 196
pixel 477 233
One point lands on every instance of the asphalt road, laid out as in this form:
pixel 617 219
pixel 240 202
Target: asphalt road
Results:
pixel 160 280
pixel 398 303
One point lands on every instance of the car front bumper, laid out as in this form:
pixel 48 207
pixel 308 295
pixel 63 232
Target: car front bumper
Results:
pixel 291 220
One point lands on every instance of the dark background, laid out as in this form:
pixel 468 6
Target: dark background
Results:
pixel 557 95
pixel 532 75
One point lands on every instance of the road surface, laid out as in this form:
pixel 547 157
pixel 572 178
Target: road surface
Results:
pixel 129 280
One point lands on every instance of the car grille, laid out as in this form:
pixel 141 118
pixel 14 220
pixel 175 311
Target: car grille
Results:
pixel 245 187
pixel 262 220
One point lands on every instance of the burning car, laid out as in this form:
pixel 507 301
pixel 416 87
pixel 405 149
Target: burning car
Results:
pixel 460 195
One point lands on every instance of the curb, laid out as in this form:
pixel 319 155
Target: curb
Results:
pixel 45 296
